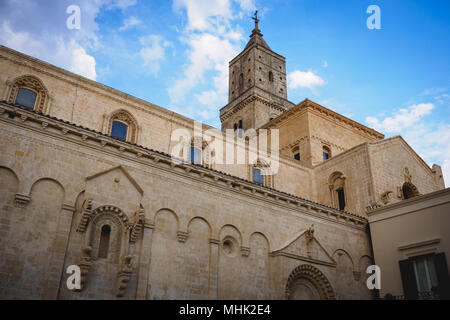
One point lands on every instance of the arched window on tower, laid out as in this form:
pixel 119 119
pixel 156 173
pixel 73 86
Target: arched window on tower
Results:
pixel 270 76
pixel 104 242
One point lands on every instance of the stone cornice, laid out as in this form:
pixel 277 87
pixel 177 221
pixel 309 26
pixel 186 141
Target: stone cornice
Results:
pixel 95 87
pixel 409 206
pixel 89 138
pixel 225 114
pixel 269 51
pixel 308 104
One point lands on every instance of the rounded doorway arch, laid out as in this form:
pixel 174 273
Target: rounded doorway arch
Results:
pixel 307 282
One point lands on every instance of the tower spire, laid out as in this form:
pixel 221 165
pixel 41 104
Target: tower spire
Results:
pixel 256 38
pixel 255 17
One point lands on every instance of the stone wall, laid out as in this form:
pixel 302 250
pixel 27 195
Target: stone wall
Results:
pixel 203 236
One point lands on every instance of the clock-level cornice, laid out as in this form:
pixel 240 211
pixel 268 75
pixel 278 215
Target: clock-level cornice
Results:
pixel 242 101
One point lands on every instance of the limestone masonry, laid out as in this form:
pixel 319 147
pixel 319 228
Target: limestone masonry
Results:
pixel 86 179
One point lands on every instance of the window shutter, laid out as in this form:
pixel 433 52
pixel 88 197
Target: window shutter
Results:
pixel 408 280
pixel 442 274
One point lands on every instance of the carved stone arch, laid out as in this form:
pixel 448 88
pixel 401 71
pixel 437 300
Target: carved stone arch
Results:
pixel 162 210
pixel 343 252
pixel 48 179
pixel 409 191
pixel 257 233
pixel 202 219
pixel 34 84
pixel 314 276
pixel 117 231
pixel 127 118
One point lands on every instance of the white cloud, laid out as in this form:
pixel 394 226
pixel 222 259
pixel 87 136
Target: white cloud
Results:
pixel 129 23
pixel 202 14
pixel 68 55
pixel 247 5
pixel 403 119
pixel 301 79
pixel 153 51
pixel 121 4
pixel 208 52
pixel 82 63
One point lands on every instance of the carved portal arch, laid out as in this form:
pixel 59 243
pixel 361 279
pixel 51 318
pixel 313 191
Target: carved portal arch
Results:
pixel 312 279
pixel 31 83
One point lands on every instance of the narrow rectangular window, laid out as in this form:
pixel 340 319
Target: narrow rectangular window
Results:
pixel 341 197
pixel 257 176
pixel 196 155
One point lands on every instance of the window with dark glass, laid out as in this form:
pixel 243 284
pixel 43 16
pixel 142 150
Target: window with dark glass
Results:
pixel 326 153
pixel 297 156
pixel 104 242
pixel 258 176
pixel 196 155
pixel 26 98
pixel 119 130
pixel 341 198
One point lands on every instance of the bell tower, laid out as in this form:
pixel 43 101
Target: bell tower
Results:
pixel 257 90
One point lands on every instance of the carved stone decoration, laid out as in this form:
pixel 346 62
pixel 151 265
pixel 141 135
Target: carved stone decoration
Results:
pixel 309 236
pixel 245 251
pixel 182 236
pixel 85 264
pixel 407 175
pixel 123 276
pixel 386 197
pixel 21 201
pixel 85 215
pixel 32 83
pixel 138 225
pixel 357 275
pixel 316 277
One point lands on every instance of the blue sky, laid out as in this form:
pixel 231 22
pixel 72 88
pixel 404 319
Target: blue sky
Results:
pixel 175 54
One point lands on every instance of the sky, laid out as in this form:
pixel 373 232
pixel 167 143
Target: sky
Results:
pixel 175 54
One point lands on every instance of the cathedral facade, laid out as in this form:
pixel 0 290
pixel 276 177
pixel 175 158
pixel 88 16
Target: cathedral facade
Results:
pixel 87 180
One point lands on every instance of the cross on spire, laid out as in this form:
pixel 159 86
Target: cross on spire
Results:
pixel 255 17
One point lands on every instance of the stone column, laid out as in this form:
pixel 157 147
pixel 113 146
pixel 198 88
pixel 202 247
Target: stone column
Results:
pixel 55 271
pixel 144 262
pixel 214 245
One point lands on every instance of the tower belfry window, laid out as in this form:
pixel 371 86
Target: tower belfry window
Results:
pixel 241 82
